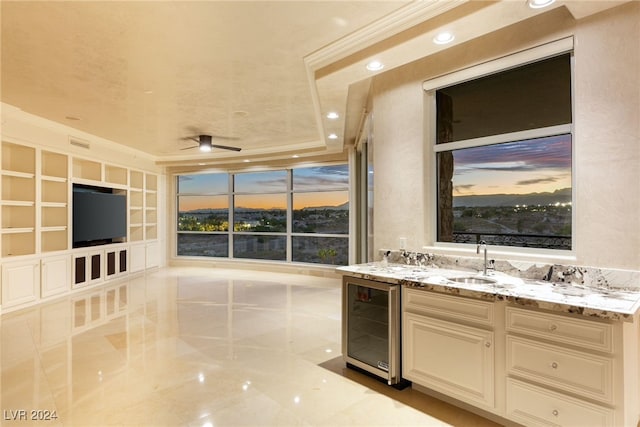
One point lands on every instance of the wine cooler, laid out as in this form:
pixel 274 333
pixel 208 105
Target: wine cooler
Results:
pixel 371 327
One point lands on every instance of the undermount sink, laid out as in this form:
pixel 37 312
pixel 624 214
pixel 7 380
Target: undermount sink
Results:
pixel 473 280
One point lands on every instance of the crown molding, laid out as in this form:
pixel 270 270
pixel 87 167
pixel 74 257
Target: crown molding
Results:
pixel 400 20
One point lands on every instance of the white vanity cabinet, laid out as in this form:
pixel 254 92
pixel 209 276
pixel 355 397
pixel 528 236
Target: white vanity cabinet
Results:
pixel 448 345
pixel 516 358
pixel 566 371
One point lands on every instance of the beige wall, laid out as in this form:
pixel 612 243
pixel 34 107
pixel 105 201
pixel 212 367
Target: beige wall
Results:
pixel 607 133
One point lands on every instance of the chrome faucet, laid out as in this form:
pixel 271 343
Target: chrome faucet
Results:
pixel 483 245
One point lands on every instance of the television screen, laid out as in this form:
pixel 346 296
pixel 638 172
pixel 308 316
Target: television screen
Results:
pixel 99 216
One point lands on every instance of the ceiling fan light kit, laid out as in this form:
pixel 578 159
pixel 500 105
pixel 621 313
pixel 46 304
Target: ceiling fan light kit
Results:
pixel 205 145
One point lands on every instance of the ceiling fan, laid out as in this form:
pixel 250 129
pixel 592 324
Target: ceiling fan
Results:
pixel 205 145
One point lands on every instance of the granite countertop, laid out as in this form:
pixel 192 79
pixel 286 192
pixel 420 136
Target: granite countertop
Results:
pixel 603 303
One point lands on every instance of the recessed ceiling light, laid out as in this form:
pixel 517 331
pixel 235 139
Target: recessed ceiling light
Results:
pixel 375 66
pixel 148 92
pixel 332 115
pixel 333 136
pixel 295 156
pixel 201 164
pixel 246 160
pixel 340 21
pixel 443 38
pixel 539 4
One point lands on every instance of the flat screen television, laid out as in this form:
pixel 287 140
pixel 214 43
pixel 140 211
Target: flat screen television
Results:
pixel 99 216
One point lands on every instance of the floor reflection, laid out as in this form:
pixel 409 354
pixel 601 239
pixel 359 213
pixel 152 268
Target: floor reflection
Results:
pixel 192 347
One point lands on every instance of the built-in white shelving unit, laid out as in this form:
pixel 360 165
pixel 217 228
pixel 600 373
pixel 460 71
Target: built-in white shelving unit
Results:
pixel 116 175
pixel 86 170
pixel 136 206
pixel 151 207
pixel 36 255
pixel 54 202
pixel 18 199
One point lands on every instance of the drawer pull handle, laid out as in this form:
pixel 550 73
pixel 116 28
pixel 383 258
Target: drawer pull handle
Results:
pixel 553 327
pixel 487 344
pixel 555 412
pixel 554 365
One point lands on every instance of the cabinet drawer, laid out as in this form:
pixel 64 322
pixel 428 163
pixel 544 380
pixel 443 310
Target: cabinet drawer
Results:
pixel 577 372
pixel 584 333
pixel 448 306
pixel 535 406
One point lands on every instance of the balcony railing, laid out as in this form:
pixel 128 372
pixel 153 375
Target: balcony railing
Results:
pixel 520 240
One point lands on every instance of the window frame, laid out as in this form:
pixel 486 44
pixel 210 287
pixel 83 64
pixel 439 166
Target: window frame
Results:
pixel 288 234
pixel 178 194
pixel 297 234
pixel 515 60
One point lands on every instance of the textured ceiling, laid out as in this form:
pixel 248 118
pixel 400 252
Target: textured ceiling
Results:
pixel 147 74
pixel 227 68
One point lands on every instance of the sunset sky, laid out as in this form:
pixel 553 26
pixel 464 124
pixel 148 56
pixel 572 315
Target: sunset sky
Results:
pixel 542 165
pixel 331 181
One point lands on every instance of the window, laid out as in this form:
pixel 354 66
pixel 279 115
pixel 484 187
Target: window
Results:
pixel 298 215
pixel 504 156
pixel 260 207
pixel 203 215
pixel 260 202
pixel 321 215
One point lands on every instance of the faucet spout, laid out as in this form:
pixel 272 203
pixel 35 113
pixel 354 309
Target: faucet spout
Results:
pixel 482 245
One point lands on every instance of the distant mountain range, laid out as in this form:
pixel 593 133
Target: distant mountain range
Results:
pixel 344 206
pixel 559 196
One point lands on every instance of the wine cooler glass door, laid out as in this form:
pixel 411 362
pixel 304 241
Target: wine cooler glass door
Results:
pixel 371 327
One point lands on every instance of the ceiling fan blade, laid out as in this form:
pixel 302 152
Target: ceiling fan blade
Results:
pixel 190 138
pixel 224 147
pixel 229 138
pixel 189 148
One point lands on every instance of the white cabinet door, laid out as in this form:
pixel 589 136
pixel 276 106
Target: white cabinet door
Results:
pixel 137 258
pixel 87 268
pixel 56 275
pixel 153 259
pixel 20 282
pixel 450 358
pixel 115 262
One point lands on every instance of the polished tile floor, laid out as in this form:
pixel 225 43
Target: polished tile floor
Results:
pixel 197 347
